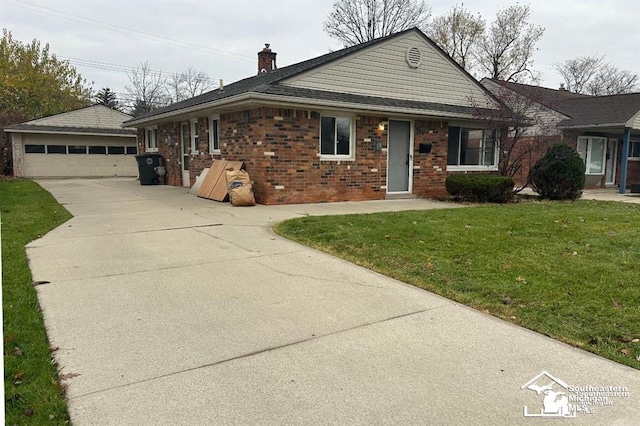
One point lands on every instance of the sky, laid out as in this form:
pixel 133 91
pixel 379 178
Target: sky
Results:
pixel 104 39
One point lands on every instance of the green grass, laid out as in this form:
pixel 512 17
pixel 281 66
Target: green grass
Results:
pixel 32 390
pixel 569 270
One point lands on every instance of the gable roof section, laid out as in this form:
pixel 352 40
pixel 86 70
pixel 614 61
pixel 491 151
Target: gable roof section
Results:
pixel 549 98
pixel 602 111
pixel 384 71
pixel 94 119
pixel 269 84
pixel 584 111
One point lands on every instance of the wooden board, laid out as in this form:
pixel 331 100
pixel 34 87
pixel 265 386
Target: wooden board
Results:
pixel 214 184
pixel 199 180
pixel 215 172
pixel 219 192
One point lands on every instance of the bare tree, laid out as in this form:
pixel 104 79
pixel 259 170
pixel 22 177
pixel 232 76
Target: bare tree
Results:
pixel 505 52
pixel 611 80
pixel 591 75
pixel 525 130
pixel 188 84
pixel 174 85
pixel 146 90
pixel 578 72
pixel 458 33
pixel 358 21
pixel 196 82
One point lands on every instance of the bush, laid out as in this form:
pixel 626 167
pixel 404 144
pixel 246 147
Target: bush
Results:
pixel 480 187
pixel 559 175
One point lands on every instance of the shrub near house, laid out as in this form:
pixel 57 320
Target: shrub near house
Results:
pixel 480 187
pixel 560 174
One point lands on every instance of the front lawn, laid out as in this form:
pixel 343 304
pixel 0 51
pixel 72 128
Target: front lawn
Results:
pixel 570 270
pixel 33 394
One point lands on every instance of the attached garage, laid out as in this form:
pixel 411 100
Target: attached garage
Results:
pixel 89 142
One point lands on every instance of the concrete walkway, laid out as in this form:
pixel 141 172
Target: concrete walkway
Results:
pixel 181 311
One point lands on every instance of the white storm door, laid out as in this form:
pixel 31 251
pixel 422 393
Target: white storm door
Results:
pixel 612 154
pixel 184 149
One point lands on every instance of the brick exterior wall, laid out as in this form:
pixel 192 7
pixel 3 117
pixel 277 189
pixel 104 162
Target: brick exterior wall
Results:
pixel 529 150
pixel 430 170
pixel 633 173
pixel 280 149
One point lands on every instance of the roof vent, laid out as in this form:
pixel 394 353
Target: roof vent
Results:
pixel 414 57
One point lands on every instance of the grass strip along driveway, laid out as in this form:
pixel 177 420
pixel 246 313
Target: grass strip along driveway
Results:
pixel 32 389
pixel 569 270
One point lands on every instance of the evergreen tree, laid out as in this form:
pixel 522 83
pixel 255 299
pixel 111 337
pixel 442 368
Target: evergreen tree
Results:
pixel 107 98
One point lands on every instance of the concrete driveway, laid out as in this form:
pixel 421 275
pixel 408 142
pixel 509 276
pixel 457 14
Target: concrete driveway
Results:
pixel 176 310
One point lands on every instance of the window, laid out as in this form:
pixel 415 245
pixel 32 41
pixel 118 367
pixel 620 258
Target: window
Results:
pixel 97 149
pixel 592 150
pixel 214 138
pixel 634 149
pixel 118 150
pixel 194 136
pixel 77 149
pixel 472 149
pixel 151 139
pixel 56 149
pixel 132 150
pixel 34 149
pixel 335 137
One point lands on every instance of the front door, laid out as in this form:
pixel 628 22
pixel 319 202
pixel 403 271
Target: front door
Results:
pixel 399 157
pixel 612 154
pixel 184 149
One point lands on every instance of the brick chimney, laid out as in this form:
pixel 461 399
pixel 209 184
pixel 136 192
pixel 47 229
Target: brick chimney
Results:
pixel 266 59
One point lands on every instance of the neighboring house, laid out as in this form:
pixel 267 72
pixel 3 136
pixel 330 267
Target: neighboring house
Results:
pixel 605 130
pixel 386 118
pixel 87 142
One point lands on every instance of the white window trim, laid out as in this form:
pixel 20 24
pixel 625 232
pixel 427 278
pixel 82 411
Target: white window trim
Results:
pixel 192 135
pixel 588 159
pixel 630 157
pixel 451 168
pixel 476 168
pixel 147 145
pixel 352 138
pixel 211 134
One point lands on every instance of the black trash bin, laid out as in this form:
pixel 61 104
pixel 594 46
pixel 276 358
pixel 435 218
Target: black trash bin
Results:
pixel 147 168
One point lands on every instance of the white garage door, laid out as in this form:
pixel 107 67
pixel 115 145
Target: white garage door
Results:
pixel 78 156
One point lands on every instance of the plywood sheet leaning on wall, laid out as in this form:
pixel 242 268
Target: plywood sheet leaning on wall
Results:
pixel 214 185
pixel 196 186
pixel 220 192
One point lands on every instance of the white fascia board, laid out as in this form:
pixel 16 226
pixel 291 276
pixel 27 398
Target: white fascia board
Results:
pixel 182 111
pixel 591 126
pixel 65 132
pixel 301 103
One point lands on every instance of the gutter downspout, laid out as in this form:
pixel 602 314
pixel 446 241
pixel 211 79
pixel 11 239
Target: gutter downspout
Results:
pixel 625 161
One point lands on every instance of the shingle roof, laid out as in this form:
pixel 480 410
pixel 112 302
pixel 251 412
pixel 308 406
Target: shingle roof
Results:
pixel 551 98
pixel 583 110
pixel 32 128
pixel 267 83
pixel 259 83
pixel 601 110
pixel 365 100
